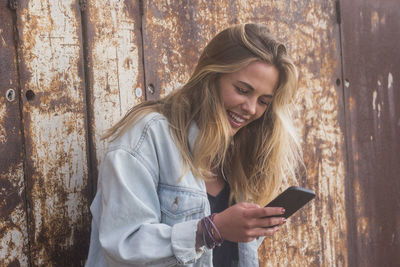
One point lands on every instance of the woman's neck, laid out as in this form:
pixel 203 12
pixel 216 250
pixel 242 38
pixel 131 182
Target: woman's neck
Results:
pixel 215 185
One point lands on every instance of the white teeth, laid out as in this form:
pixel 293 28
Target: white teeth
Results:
pixel 236 118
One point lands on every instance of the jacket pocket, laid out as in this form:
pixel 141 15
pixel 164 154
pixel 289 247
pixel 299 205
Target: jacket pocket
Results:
pixel 179 204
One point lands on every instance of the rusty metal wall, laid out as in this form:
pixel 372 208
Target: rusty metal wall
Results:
pixel 371 64
pixel 80 70
pixel 77 66
pixel 115 73
pixel 173 33
pixel 13 223
pixel 54 121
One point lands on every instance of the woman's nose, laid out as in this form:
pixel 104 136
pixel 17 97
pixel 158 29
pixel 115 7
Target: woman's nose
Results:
pixel 250 106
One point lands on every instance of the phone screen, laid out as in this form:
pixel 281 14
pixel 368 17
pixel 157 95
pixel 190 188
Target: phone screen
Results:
pixel 292 199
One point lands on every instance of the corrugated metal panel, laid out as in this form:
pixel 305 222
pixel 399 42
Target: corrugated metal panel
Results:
pixel 54 117
pixel 371 36
pixel 115 59
pixel 316 236
pixel 13 224
pixel 173 33
pixel 55 124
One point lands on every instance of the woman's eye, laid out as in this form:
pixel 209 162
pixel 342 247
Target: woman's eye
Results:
pixel 262 102
pixel 240 90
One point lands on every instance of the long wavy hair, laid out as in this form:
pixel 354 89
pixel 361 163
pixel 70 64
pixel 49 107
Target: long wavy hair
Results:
pixel 260 155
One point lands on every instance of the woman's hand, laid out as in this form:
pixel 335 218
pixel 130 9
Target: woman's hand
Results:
pixel 243 222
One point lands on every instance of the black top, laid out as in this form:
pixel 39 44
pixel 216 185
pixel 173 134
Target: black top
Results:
pixel 227 253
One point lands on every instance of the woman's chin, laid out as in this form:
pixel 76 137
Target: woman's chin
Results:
pixel 234 130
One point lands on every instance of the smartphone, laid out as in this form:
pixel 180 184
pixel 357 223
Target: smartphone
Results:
pixel 292 199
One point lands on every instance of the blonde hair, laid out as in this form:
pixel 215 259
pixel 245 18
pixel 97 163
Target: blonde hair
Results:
pixel 258 156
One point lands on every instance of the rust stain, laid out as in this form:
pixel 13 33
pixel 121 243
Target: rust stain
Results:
pixel 362 221
pixel 351 103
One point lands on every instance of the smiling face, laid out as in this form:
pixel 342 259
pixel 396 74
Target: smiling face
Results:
pixel 247 93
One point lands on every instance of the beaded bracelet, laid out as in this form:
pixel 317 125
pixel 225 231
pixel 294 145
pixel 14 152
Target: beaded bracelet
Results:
pixel 211 235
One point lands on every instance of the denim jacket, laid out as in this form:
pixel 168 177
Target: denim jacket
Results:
pixel 143 213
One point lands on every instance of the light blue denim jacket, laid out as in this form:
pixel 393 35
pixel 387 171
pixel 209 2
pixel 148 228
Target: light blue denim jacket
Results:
pixel 143 214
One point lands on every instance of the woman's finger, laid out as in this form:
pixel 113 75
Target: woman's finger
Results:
pixel 257 232
pixel 271 231
pixel 249 205
pixel 264 212
pixel 270 221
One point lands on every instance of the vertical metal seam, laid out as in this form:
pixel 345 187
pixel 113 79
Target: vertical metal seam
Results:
pixel 82 5
pixel 349 200
pixel 118 85
pixel 22 131
pixel 90 147
pixel 338 12
pixel 142 33
pixel 13 4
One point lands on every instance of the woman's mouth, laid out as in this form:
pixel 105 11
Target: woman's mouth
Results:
pixel 235 119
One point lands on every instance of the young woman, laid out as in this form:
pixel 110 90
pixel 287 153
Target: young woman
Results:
pixel 219 145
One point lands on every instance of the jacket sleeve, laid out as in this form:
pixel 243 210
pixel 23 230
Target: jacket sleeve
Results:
pixel 130 231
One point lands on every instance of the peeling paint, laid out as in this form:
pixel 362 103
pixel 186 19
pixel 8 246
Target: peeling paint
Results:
pixel 3 133
pixel 374 94
pixel 379 111
pixel 390 80
pixel 3 42
pixel 374 21
pixel 13 225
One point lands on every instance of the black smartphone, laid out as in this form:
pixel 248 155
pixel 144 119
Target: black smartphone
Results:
pixel 292 199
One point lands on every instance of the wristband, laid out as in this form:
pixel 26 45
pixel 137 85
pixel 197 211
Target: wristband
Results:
pixel 211 235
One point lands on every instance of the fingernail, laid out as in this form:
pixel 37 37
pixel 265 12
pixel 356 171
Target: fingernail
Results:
pixel 283 220
pixel 282 210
